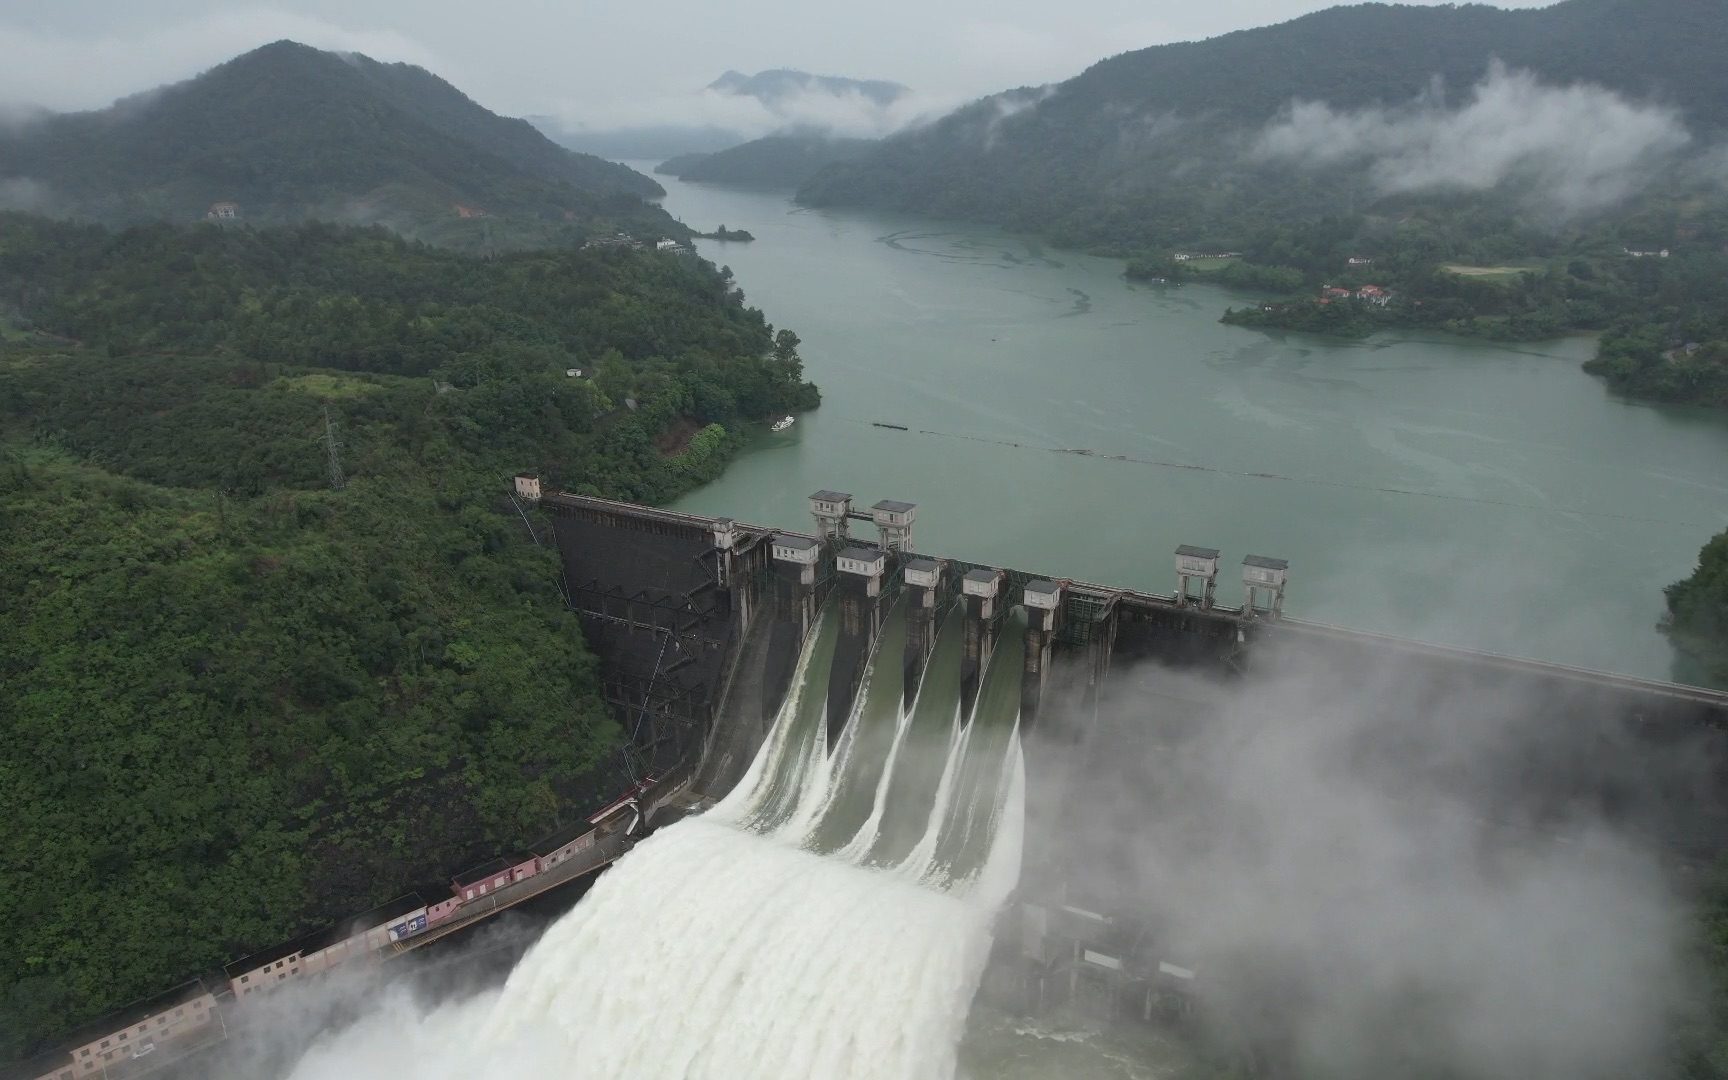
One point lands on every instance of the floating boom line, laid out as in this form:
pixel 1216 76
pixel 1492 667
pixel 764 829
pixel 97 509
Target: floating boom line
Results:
pixel 1100 455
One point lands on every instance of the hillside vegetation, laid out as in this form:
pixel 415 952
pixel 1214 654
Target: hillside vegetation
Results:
pixel 289 132
pixel 1697 618
pixel 784 161
pixel 242 700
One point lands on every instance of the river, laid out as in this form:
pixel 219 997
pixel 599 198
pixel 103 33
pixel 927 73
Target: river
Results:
pixel 1490 496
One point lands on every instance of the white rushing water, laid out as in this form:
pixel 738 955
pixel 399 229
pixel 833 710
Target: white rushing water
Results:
pixel 753 942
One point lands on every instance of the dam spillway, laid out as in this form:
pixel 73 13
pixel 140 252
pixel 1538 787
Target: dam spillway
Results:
pixel 1126 699
pixel 1064 795
pixel 829 918
pixel 733 602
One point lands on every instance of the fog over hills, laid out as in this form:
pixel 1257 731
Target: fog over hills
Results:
pixel 780 161
pixel 289 132
pixel 784 84
pixel 737 108
pixel 1393 98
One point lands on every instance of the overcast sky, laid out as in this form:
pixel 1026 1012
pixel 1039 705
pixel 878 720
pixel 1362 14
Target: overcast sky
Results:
pixel 594 60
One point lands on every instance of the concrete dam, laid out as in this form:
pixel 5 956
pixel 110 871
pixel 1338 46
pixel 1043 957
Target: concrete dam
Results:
pixel 1158 731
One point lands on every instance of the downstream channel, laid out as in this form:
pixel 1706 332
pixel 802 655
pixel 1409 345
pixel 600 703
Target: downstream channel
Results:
pixel 1482 495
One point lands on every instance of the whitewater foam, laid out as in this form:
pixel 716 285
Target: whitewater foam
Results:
pixel 725 948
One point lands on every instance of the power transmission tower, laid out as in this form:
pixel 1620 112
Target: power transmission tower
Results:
pixel 333 450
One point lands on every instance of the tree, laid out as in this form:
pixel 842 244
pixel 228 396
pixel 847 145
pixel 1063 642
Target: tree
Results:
pixel 1697 618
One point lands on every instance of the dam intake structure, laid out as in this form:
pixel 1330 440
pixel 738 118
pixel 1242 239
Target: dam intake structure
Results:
pixel 830 917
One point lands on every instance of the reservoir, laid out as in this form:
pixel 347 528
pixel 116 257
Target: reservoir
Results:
pixel 1483 495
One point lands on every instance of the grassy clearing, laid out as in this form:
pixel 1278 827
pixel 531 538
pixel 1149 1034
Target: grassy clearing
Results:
pixel 1494 273
pixel 332 387
pixel 1207 266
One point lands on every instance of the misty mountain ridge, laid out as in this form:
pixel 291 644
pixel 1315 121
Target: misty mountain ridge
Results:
pixel 779 84
pixel 736 109
pixel 288 132
pixel 1574 106
pixel 778 161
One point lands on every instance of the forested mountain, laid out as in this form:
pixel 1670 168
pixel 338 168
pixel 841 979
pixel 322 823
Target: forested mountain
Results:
pixel 246 693
pixel 783 161
pixel 1147 148
pixel 288 132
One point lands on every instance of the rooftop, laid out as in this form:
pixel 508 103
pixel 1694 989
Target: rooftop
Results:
pixel 792 540
pixel 563 836
pixel 1047 588
pixel 923 566
pixel 42 1064
pixel 980 575
pixel 894 506
pixel 130 1016
pixel 319 940
pixel 1265 563
pixel 1192 552
pixel 862 554
pixel 484 870
pixel 258 959
pixel 831 496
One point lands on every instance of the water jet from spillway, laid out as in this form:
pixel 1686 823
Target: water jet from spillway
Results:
pixel 829 919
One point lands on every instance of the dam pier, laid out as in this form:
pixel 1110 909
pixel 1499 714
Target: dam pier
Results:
pixel 674 603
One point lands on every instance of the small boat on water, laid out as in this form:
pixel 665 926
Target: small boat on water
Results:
pixel 781 424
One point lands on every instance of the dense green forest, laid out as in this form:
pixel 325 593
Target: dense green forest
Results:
pixel 1152 153
pixel 1697 618
pixel 781 161
pixel 290 133
pixel 246 695
pixel 1661 316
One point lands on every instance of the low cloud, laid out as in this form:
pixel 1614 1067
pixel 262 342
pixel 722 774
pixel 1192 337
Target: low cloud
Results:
pixel 1385 870
pixel 983 122
pixel 847 114
pixel 1711 165
pixel 37 63
pixel 1582 147
pixel 15 116
pixel 22 193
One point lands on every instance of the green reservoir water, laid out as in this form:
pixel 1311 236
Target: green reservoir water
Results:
pixel 1548 515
